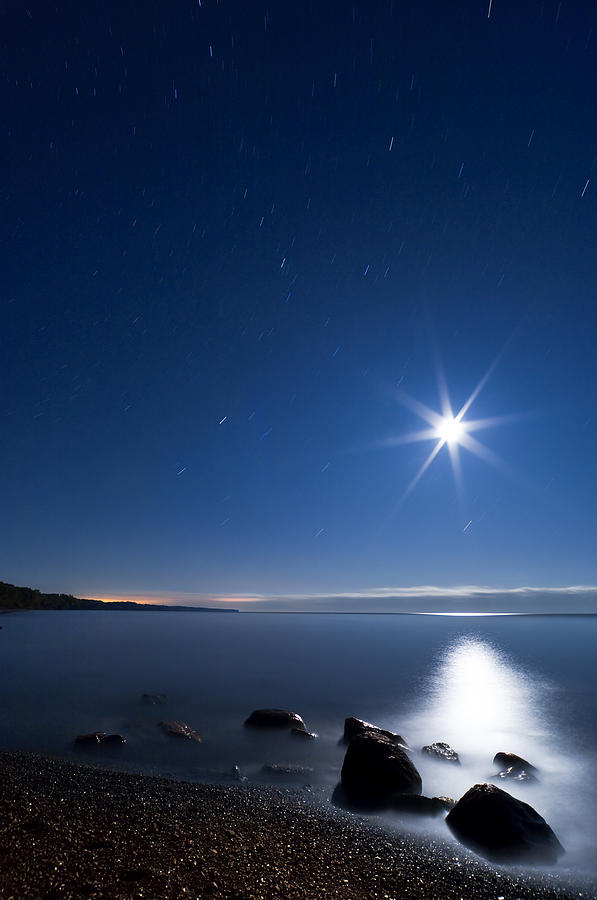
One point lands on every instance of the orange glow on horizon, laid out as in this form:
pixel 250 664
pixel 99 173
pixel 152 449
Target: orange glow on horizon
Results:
pixel 177 601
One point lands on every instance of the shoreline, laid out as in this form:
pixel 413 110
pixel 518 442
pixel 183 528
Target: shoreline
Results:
pixel 70 830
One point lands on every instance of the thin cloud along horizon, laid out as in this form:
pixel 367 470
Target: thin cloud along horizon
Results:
pixel 424 598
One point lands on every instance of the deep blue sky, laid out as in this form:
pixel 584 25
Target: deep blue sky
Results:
pixel 231 229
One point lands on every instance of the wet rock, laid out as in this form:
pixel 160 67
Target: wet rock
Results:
pixel 501 828
pixel 354 727
pixel 376 769
pixel 419 805
pixel 441 750
pixel 307 735
pixel 154 699
pixel 512 761
pixel 514 768
pixel 180 729
pixel 275 769
pixel 94 737
pixel 274 718
pixel 114 739
pixel 517 776
pixel 237 774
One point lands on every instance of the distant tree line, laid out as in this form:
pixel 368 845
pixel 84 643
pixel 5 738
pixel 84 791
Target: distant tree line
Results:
pixel 13 597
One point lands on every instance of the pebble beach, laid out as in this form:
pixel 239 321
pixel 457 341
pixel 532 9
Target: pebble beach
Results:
pixel 74 831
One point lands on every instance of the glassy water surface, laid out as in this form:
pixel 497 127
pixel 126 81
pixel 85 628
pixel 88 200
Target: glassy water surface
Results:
pixel 522 684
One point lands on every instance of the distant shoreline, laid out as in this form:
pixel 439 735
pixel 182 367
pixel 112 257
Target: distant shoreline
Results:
pixel 140 607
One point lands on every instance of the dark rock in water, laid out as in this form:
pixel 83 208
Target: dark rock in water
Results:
pixel 180 729
pixel 286 770
pixel 518 775
pixel 274 718
pixel 375 769
pixel 94 737
pixel 114 739
pixel 354 727
pixel 154 699
pixel 514 768
pixel 512 761
pixel 501 828
pixel 418 805
pixel 441 750
pixel 237 774
pixel 307 735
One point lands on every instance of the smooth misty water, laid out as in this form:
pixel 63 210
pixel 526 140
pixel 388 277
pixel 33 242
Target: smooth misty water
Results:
pixel 484 684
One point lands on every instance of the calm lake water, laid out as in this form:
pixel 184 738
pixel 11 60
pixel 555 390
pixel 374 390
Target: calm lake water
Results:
pixel 484 684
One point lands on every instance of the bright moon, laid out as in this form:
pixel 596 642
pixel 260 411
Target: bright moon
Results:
pixel 450 430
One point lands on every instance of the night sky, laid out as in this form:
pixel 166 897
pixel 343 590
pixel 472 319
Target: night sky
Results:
pixel 241 240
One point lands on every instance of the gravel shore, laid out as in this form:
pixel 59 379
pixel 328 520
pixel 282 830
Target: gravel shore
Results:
pixel 76 831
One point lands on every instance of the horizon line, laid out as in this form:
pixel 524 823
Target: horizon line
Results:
pixel 378 599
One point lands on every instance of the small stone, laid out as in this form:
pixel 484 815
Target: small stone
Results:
pixel 180 729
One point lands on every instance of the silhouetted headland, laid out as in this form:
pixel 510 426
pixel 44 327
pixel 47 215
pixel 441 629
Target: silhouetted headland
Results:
pixel 13 597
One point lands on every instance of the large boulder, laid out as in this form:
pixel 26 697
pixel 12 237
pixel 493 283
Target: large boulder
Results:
pixel 441 750
pixel 354 727
pixel 501 828
pixel 376 769
pixel 274 718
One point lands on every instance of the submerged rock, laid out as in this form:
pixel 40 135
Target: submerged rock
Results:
pixel 180 729
pixel 94 737
pixel 441 750
pixel 419 805
pixel 154 699
pixel 274 718
pixel 354 727
pixel 114 739
pixel 376 769
pixel 501 828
